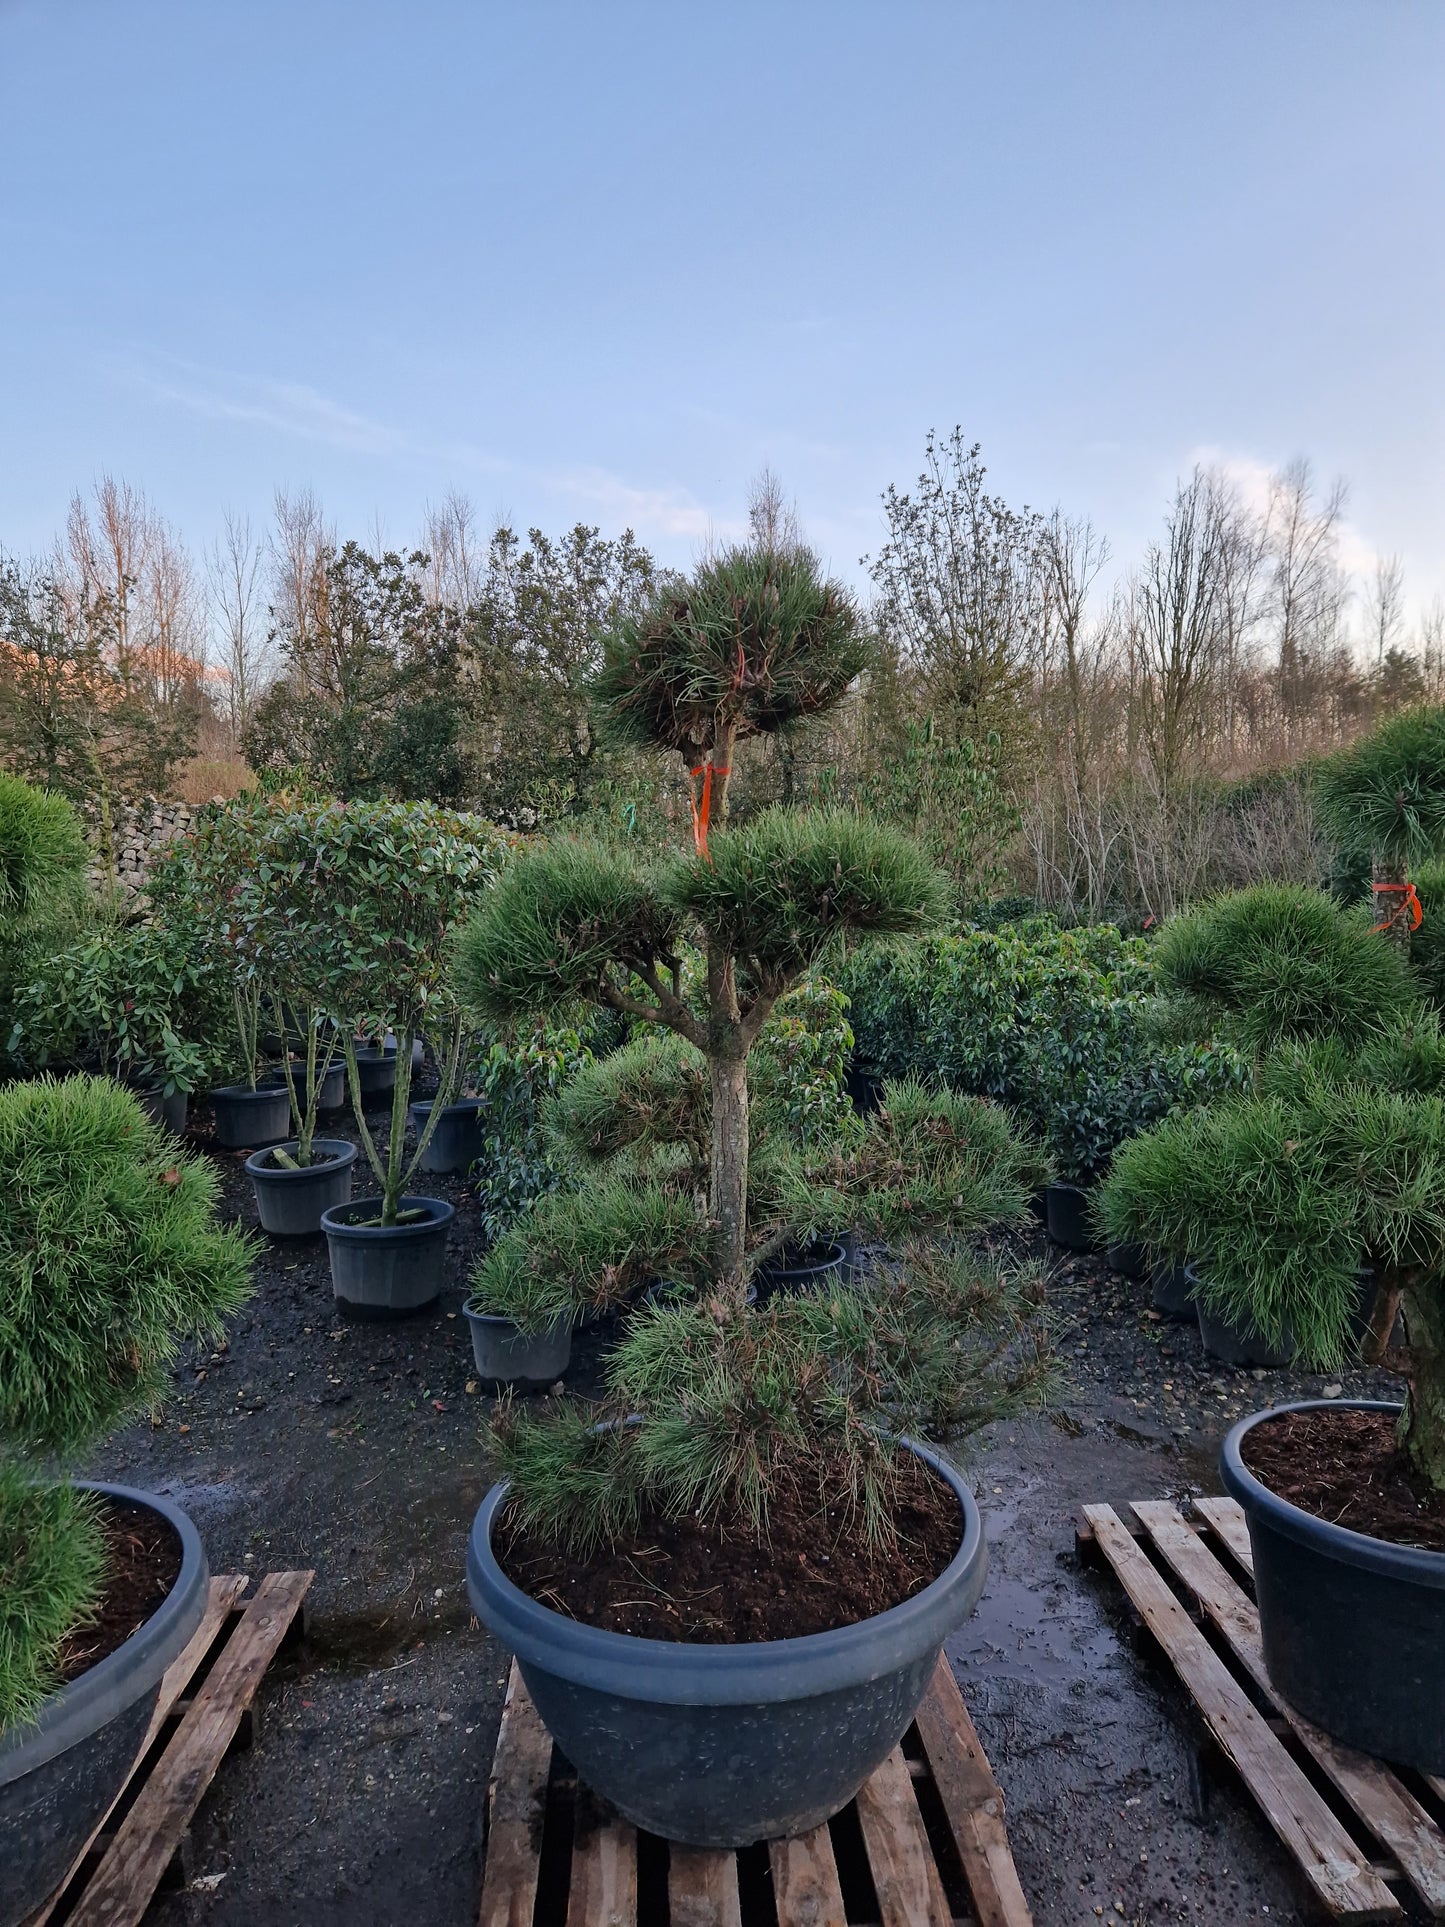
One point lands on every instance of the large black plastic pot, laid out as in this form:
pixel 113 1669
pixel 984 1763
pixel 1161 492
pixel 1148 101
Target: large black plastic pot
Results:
pixel 60 1774
pixel 456 1143
pixel 387 1270
pixel 1067 1219
pixel 1234 1344
pixel 818 1268
pixel 1171 1289
pixel 376 1074
pixel 290 1202
pixel 330 1097
pixel 246 1119
pixel 168 1110
pixel 507 1355
pixel 718 1746
pixel 1353 1627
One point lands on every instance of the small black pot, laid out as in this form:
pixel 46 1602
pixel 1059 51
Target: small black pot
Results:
pixel 376 1074
pixel 1039 1205
pixel 506 1355
pixel 456 1143
pixel 331 1096
pixel 719 1746
pixel 169 1112
pixel 1353 1627
pixel 864 1086
pixel 247 1119
pixel 818 1268
pixel 59 1775
pixel 1172 1292
pixel 387 1270
pixel 1230 1343
pixel 1129 1261
pixel 290 1203
pixel 1067 1207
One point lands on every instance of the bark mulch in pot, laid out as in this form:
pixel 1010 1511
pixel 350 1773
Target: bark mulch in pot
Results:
pixel 143 1560
pixel 675 1579
pixel 1345 1466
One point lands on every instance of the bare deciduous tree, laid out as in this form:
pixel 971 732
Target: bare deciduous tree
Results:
pixel 234 569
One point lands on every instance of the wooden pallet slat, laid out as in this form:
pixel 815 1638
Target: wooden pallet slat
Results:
pixel 973 1802
pixel 1381 1800
pixel 1346 1884
pixel 516 1807
pixel 604 1872
pixel 1226 1516
pixel 152 1830
pixel 905 1875
pixel 805 1880
pixel 702 1888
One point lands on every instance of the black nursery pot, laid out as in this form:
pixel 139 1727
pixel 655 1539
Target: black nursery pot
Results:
pixel 59 1775
pixel 1129 1261
pixel 718 1746
pixel 864 1086
pixel 376 1074
pixel 330 1097
pixel 456 1143
pixel 1353 1627
pixel 247 1119
pixel 387 1270
pixel 171 1112
pixel 818 1267
pixel 1234 1344
pixel 1172 1291
pixel 1067 1217
pixel 290 1202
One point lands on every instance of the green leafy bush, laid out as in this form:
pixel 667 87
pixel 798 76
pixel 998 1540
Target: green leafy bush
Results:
pixel 109 1253
pixel 44 900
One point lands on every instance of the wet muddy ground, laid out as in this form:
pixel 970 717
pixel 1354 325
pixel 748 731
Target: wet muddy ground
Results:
pixel 357 1449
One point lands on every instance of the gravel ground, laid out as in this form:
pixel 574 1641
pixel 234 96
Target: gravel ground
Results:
pixel 357 1449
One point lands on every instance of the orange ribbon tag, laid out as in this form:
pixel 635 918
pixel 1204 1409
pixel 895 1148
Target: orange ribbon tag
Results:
pixel 702 809
pixel 1409 905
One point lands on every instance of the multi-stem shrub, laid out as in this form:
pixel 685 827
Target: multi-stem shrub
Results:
pixel 109 1254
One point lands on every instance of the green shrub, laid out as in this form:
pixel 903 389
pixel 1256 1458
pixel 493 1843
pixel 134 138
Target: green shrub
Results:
pixel 109 1253
pixel 1384 797
pixel 45 903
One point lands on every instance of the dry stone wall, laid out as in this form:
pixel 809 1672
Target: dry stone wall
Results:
pixel 138 832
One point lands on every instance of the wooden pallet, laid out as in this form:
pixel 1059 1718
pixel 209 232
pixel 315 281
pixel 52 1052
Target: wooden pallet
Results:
pixel 205 1708
pixel 1357 1829
pixel 923 1845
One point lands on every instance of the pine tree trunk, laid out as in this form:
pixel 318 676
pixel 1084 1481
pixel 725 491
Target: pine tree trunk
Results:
pixel 1390 905
pixel 728 1177
pixel 1424 1433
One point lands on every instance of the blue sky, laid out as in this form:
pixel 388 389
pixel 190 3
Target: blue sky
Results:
pixel 605 261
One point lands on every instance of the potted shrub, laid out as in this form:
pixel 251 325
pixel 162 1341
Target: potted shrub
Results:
pixel 393 880
pixel 763 1449
pixel 113 1233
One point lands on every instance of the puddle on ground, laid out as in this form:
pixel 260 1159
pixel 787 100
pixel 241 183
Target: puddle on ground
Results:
pixel 1050 1633
pixel 203 1502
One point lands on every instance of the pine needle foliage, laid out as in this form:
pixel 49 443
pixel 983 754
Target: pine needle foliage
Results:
pixel 751 644
pixel 1282 962
pixel 650 1094
pixel 52 1566
pixel 1384 797
pixel 776 893
pixel 806 1395
pixel 42 847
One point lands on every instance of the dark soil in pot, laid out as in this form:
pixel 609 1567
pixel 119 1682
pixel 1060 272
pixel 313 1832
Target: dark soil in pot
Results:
pixel 59 1775
pixel 718 1586
pixel 1067 1216
pixel 290 1201
pixel 1352 1618
pixel 814 1267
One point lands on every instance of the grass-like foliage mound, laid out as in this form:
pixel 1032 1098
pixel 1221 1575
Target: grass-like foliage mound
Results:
pixel 752 642
pixel 52 1564
pixel 1384 798
pixel 108 1252
pixel 777 892
pixel 1282 962
pixel 805 1394
pixel 42 847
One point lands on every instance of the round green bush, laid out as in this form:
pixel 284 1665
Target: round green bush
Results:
pixel 42 846
pixel 52 1564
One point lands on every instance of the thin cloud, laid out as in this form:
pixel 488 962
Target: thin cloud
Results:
pixel 673 512
pixel 287 407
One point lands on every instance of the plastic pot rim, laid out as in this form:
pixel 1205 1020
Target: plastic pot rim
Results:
pixel 336 1222
pixel 1417 1564
pixel 256 1165
pixel 750 1673
pixel 68 1716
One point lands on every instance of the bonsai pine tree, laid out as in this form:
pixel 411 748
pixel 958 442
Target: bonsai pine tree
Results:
pixel 43 897
pixel 1383 801
pixel 729 1400
pixel 109 1253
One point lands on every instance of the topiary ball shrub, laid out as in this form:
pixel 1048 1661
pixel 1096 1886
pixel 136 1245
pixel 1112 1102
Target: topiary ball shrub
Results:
pixel 109 1252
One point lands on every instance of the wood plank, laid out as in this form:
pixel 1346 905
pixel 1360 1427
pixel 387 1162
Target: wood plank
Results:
pixel 153 1829
pixel 225 1589
pixel 1228 1520
pixel 905 1878
pixel 1387 1807
pixel 805 1881
pixel 516 1806
pixel 604 1869
pixel 1327 1856
pixel 702 1888
pixel 973 1801
pixel 1436 1784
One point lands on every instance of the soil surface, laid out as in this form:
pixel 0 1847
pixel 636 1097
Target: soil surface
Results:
pixel 143 1559
pixel 358 1450
pixel 677 1579
pixel 1346 1467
